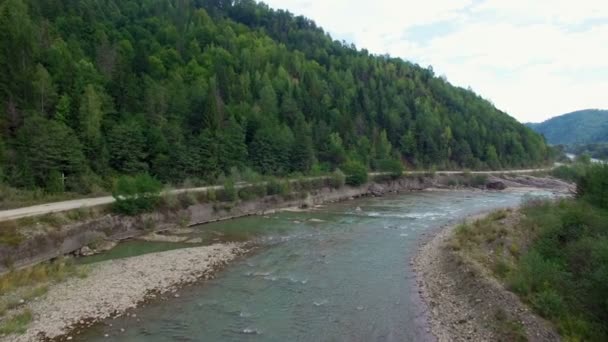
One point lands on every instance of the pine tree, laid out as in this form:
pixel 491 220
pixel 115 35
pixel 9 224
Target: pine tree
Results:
pixel 126 145
pixel 232 147
pixel 47 146
pixel 302 152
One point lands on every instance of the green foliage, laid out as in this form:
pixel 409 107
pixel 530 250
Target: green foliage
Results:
pixel 16 324
pixel 252 192
pixel 564 274
pixel 356 173
pixel 98 90
pixel 136 194
pixel 597 151
pixel 392 166
pixel 277 187
pixel 570 173
pixel 54 182
pixel 593 186
pixel 46 147
pixel 229 192
pixel 338 179
pixel 582 127
pixel 9 234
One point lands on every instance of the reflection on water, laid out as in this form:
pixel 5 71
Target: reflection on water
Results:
pixel 337 273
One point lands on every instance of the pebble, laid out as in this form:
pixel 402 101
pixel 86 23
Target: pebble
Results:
pixel 113 287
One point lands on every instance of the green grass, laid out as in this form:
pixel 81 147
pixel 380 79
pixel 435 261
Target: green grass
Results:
pixel 509 329
pixel 44 273
pixel 564 275
pixel 16 324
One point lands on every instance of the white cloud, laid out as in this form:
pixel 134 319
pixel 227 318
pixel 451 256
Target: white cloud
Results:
pixel 533 59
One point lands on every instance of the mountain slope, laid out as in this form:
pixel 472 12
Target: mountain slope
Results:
pixel 192 89
pixel 581 127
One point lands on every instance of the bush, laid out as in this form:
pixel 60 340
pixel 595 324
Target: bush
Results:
pixel 535 273
pixel 337 179
pixel 273 187
pixel 356 173
pixel 549 303
pixel 564 273
pixel 593 186
pixel 569 173
pixel 9 234
pixel 393 166
pixel 229 192
pixel 135 195
pixel 252 192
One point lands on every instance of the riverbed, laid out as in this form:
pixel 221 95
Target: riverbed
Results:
pixel 339 272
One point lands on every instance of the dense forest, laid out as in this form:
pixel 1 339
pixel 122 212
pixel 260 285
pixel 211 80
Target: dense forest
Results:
pixel 588 126
pixel 192 89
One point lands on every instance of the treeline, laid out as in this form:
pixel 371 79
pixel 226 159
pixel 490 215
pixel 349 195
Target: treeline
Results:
pixel 597 151
pixel 192 89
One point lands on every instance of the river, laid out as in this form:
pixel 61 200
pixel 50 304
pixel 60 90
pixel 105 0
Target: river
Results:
pixel 337 273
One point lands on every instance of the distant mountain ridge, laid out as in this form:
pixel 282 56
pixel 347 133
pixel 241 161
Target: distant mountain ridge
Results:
pixel 581 127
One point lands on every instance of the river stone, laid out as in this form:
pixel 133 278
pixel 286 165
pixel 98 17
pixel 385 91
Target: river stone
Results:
pixel 496 186
pixel 86 251
pixel 377 190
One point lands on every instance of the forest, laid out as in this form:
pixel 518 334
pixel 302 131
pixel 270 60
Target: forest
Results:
pixel 91 90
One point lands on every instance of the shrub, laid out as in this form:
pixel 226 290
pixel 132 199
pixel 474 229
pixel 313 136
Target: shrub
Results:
pixel 393 166
pixel 135 195
pixel 535 273
pixel 229 192
pixel 593 186
pixel 356 173
pixel 549 303
pixel 252 192
pixel 186 199
pixel 569 173
pixel 337 179
pixel 9 234
pixel 54 183
pixel 273 187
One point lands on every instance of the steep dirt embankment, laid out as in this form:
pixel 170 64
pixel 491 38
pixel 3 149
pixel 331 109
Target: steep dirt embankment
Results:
pixel 465 301
pixel 47 239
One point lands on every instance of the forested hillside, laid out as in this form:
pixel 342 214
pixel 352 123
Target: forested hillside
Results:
pixel 583 127
pixel 179 89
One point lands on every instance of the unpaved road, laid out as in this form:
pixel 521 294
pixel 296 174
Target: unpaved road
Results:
pixel 56 207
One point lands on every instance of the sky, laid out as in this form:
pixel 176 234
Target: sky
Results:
pixel 533 59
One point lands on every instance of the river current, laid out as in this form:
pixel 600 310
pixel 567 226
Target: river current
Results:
pixel 340 272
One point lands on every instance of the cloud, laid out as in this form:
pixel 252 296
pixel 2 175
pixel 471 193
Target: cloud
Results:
pixel 532 59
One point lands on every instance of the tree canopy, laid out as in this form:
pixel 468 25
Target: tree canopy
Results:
pixel 194 88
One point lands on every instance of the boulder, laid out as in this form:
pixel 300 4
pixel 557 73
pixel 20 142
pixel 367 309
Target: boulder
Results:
pixel 377 190
pixel 498 185
pixel 86 251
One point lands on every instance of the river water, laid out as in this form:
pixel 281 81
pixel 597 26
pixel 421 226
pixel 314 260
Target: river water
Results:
pixel 337 273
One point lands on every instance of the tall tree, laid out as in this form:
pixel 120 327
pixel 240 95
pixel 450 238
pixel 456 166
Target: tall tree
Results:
pixel 232 149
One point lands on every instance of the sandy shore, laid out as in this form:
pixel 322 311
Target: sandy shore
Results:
pixel 463 302
pixel 112 287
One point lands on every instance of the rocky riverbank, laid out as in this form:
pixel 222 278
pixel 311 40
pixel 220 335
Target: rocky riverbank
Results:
pixel 113 287
pixel 465 303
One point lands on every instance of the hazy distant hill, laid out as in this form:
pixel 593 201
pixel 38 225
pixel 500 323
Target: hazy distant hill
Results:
pixel 581 127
